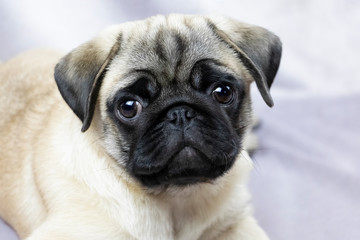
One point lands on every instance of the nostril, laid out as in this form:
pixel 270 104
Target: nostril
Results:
pixel 189 114
pixel 180 115
pixel 172 116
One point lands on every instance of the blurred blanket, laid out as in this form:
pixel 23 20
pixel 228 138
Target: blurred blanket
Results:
pixel 306 177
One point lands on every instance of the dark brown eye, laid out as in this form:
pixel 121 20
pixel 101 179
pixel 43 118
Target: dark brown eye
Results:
pixel 223 94
pixel 129 109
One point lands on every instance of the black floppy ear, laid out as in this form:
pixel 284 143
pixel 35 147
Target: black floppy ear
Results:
pixel 259 50
pixel 79 75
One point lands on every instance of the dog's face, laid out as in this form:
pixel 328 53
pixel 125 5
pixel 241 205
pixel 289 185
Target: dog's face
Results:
pixel 171 93
pixel 178 130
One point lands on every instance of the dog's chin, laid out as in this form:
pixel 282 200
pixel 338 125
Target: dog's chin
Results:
pixel 186 167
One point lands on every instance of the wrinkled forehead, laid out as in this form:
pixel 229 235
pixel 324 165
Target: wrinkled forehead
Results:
pixel 168 47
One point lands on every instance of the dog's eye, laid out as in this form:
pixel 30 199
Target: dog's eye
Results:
pixel 223 94
pixel 129 109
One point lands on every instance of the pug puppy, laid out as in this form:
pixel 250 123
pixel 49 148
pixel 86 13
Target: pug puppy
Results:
pixel 163 106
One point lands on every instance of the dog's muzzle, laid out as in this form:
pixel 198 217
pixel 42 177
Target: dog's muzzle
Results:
pixel 181 156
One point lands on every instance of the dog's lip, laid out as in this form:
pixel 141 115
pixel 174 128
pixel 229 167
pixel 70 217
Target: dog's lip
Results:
pixel 189 149
pixel 186 175
pixel 174 172
pixel 186 150
pixel 183 176
pixel 185 180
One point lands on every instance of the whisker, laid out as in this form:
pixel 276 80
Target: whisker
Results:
pixel 248 160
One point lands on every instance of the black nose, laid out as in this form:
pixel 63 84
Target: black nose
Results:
pixel 180 115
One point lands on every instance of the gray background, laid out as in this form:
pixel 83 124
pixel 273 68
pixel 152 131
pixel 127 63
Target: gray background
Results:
pixel 306 179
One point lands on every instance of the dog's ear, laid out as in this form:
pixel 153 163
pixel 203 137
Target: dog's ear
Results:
pixel 258 49
pixel 80 73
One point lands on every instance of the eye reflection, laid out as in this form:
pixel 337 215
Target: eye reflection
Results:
pixel 129 109
pixel 223 94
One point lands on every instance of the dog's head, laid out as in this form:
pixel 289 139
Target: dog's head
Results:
pixel 171 93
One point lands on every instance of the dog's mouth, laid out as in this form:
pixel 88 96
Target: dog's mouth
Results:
pixel 185 167
pixel 188 150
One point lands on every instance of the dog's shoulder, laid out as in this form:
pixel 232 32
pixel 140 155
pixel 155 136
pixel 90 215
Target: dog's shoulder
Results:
pixel 27 88
pixel 26 81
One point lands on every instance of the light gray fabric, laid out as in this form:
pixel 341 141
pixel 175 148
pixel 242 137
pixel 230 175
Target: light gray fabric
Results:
pixel 306 177
pixel 6 233
pixel 306 180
